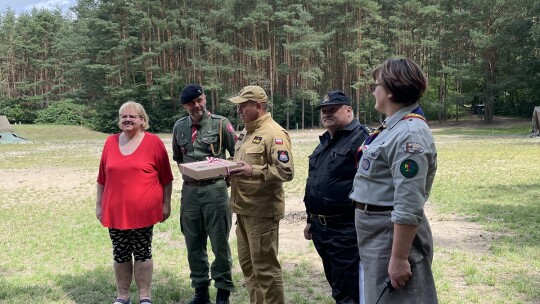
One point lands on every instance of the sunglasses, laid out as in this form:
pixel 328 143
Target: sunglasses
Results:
pixel 373 86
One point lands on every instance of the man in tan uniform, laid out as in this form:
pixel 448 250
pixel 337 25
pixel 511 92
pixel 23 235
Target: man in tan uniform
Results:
pixel 257 196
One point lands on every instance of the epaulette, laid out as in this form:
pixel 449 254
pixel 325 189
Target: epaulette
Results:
pixel 215 116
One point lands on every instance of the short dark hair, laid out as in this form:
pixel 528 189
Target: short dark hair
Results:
pixel 403 78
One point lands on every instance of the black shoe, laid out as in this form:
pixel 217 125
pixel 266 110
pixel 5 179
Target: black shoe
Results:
pixel 222 296
pixel 201 296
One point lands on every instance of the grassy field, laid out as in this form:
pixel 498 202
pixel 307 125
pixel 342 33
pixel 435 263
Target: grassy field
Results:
pixel 55 251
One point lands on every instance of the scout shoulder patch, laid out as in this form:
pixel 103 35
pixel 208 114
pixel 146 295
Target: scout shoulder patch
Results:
pixel 278 141
pixel 230 128
pixel 283 156
pixel 412 147
pixel 257 140
pixel 241 136
pixel 408 168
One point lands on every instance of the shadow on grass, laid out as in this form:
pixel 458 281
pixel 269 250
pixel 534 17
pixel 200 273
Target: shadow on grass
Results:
pixel 98 286
pixel 513 210
pixel 11 293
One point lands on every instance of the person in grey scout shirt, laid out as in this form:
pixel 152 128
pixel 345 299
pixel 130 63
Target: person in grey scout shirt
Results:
pixel 395 174
pixel 204 210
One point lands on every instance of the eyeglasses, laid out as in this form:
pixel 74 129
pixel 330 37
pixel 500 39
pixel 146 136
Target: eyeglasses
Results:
pixel 373 86
pixel 130 117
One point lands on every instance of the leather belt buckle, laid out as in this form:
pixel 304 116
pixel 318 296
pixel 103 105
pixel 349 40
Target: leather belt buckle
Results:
pixel 322 220
pixel 319 218
pixel 326 219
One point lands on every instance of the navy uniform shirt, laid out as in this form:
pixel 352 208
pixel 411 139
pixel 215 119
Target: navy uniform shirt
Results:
pixel 332 167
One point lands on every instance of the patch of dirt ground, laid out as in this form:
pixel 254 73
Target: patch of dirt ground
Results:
pixel 41 178
pixel 449 232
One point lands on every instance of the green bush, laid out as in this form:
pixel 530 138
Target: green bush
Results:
pixel 64 112
pixel 19 110
pixel 106 118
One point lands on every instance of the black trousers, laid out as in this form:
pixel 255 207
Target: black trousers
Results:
pixel 337 246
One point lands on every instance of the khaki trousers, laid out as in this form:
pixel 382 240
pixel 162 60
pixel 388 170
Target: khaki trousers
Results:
pixel 257 239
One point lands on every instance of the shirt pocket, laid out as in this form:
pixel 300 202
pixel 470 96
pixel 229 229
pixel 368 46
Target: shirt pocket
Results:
pixel 184 145
pixel 340 163
pixel 371 160
pixel 255 155
pixel 210 141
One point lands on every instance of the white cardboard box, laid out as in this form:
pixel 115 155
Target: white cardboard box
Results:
pixel 207 169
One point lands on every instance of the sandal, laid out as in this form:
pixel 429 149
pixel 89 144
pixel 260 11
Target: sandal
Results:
pixel 122 301
pixel 149 301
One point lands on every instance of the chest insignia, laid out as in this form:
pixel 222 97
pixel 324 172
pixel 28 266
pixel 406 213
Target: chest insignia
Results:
pixel 411 147
pixel 257 140
pixel 365 164
pixel 408 168
pixel 278 141
pixel 283 156
pixel 241 137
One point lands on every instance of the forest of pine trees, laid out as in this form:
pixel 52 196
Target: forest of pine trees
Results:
pixel 104 52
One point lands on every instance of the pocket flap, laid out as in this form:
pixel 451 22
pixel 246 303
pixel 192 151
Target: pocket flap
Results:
pixel 372 153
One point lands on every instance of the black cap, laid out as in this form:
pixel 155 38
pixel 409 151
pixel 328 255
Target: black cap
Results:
pixel 190 92
pixel 334 98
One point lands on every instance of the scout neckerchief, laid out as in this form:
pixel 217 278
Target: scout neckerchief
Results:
pixel 195 127
pixel 415 113
pixel 368 140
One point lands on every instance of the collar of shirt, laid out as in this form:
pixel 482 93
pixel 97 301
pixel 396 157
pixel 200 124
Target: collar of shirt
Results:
pixel 394 119
pixel 254 125
pixel 325 137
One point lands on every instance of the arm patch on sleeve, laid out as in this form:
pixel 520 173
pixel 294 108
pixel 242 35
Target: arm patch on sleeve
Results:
pixel 412 147
pixel 283 156
pixel 408 168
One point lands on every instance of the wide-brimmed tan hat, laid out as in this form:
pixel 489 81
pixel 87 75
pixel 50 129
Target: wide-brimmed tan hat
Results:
pixel 248 93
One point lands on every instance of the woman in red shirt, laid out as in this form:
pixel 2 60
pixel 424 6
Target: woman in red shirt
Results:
pixel 134 189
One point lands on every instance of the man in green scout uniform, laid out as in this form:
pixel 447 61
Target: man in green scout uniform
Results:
pixel 205 211
pixel 257 196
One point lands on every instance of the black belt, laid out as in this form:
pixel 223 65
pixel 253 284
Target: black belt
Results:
pixel 331 219
pixel 373 208
pixel 204 182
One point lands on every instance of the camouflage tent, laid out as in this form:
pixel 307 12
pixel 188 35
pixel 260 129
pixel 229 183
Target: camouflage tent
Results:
pixel 536 122
pixel 6 133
